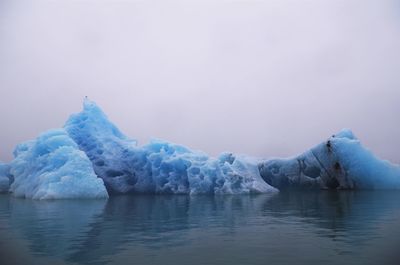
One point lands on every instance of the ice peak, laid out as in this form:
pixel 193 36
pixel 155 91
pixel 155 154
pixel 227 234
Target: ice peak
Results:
pixel 345 133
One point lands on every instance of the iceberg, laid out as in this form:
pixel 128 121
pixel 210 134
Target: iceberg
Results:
pixel 5 177
pixel 52 167
pixel 159 167
pixel 91 158
pixel 341 162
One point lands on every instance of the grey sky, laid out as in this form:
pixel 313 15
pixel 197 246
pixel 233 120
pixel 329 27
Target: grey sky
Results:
pixel 265 78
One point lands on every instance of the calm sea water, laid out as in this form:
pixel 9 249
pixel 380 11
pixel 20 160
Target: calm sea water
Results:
pixel 296 228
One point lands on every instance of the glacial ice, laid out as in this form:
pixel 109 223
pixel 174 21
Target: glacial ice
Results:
pixel 5 177
pixel 339 163
pixel 91 158
pixel 160 166
pixel 52 167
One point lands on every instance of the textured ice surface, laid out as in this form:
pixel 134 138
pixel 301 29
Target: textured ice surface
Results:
pixel 339 163
pixel 5 177
pixel 110 151
pixel 158 167
pixel 52 167
pixel 91 155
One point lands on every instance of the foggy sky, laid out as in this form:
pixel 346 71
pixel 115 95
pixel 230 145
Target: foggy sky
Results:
pixel 264 78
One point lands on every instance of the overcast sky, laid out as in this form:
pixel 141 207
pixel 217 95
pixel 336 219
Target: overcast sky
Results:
pixel 265 78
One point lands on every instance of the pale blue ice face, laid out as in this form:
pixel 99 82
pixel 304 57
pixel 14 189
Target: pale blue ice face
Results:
pixel 52 167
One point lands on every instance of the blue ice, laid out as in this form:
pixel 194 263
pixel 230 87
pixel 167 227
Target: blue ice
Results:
pixel 160 166
pixel 5 177
pixel 91 158
pixel 340 162
pixel 52 167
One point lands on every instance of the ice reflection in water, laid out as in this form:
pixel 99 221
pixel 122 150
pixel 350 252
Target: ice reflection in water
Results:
pixel 301 228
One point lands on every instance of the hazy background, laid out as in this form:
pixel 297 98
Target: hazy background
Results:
pixel 266 78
